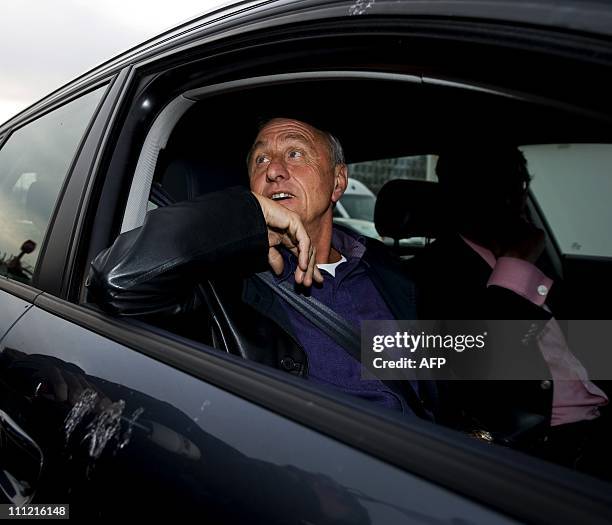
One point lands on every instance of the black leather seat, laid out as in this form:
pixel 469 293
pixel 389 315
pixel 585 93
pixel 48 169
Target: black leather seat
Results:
pixel 408 208
pixel 187 177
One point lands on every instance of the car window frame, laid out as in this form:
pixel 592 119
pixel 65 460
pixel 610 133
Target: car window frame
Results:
pixel 63 238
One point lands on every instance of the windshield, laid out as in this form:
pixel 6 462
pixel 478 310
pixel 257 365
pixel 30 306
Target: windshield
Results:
pixel 359 206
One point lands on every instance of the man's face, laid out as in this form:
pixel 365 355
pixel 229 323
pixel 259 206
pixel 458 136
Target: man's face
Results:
pixel 290 163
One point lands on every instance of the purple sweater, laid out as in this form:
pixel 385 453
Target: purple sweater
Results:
pixel 352 295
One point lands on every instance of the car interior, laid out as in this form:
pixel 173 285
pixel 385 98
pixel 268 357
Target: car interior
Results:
pixel 374 118
pixel 199 142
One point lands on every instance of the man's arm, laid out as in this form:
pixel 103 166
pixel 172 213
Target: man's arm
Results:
pixel 518 286
pixel 154 269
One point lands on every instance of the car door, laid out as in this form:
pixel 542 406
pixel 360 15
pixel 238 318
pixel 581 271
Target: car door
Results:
pixel 116 418
pixel 123 433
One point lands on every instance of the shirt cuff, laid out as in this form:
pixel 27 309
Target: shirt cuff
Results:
pixel 522 278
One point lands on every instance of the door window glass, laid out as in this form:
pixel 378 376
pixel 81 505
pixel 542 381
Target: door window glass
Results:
pixel 33 165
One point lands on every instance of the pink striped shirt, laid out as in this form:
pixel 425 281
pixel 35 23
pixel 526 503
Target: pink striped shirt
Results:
pixel 575 398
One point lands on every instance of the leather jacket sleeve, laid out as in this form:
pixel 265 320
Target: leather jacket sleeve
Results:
pixel 155 269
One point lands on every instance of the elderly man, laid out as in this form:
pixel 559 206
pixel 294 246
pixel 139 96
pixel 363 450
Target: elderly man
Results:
pixel 297 173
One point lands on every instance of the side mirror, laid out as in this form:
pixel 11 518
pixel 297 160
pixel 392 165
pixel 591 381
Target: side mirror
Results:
pixel 28 246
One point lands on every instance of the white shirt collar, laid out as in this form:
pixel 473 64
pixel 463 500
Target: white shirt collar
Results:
pixel 331 267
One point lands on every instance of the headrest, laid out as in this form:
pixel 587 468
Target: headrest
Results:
pixel 408 208
pixel 186 178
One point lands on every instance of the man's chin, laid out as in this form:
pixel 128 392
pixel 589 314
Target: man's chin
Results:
pixel 295 206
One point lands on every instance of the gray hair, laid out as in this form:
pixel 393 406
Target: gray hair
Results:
pixel 335 148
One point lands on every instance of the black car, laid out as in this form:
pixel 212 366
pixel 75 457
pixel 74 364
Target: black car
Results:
pixel 120 417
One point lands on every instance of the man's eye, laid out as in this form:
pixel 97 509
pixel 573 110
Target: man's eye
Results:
pixel 295 154
pixel 260 159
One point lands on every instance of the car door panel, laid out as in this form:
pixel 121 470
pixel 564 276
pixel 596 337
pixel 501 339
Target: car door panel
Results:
pixel 11 309
pixel 119 428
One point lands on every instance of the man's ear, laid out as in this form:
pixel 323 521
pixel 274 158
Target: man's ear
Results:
pixel 340 181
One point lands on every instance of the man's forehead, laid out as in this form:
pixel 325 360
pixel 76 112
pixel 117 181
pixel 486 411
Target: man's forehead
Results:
pixel 286 129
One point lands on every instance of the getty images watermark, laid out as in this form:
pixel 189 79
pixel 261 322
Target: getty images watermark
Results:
pixel 416 343
pixel 483 349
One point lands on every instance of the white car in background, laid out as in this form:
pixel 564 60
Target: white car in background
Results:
pixel 355 210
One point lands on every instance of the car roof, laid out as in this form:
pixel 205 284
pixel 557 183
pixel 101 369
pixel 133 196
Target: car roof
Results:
pixel 592 17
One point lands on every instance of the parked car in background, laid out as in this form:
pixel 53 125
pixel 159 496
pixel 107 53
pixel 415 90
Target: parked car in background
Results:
pixel 119 417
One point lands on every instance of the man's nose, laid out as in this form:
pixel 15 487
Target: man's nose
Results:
pixel 276 171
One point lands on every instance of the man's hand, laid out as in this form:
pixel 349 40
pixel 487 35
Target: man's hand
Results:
pixel 527 242
pixel 285 228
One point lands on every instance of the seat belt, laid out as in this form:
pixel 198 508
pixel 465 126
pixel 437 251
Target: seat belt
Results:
pixel 339 330
pixel 324 318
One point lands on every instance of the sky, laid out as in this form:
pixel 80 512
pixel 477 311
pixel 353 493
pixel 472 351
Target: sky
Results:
pixel 46 43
